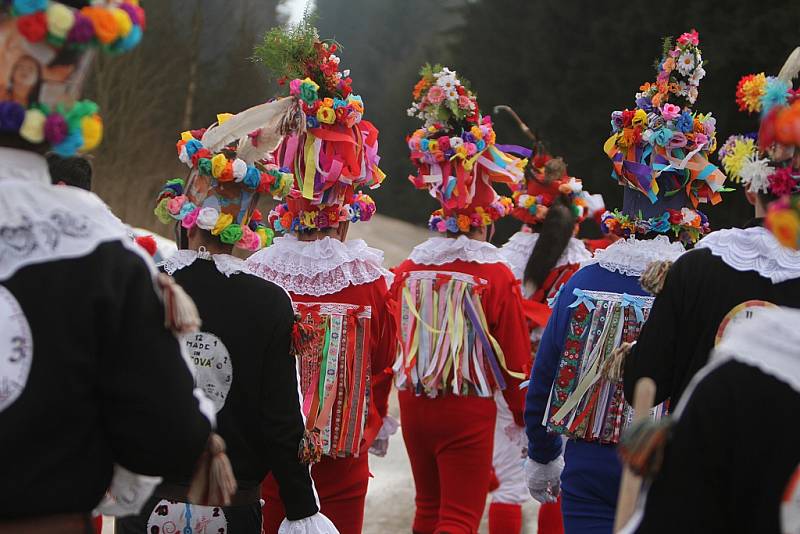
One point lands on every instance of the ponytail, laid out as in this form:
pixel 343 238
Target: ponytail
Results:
pixel 556 231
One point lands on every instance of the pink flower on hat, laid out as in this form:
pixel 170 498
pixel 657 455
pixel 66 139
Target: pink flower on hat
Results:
pixel 190 218
pixel 670 111
pixel 436 94
pixel 174 204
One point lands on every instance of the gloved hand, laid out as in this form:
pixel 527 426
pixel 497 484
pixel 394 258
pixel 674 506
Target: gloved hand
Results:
pixel 380 446
pixel 544 480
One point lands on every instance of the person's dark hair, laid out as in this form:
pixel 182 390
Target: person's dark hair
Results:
pixel 75 171
pixel 554 235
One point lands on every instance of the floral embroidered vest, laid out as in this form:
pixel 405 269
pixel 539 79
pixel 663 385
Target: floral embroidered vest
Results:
pixel 584 403
pixel 335 373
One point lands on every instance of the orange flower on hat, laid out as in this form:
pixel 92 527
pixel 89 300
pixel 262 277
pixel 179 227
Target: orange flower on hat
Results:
pixel 463 223
pixel 104 23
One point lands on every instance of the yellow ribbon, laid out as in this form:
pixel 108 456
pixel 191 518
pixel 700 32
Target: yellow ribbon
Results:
pixel 310 167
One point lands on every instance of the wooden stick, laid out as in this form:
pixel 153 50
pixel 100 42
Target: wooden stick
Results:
pixel 643 396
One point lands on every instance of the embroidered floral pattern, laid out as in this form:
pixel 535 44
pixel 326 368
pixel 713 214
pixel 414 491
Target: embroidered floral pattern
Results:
pixel 584 404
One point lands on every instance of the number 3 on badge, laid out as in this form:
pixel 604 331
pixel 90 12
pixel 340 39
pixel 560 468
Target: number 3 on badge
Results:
pixel 16 349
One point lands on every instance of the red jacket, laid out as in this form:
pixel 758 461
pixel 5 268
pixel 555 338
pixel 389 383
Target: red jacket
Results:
pixel 493 286
pixel 369 348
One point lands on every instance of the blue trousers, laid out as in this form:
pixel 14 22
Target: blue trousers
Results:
pixel 589 487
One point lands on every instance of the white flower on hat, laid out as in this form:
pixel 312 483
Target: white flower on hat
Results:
pixel 184 156
pixel 575 185
pixel 207 218
pixel 698 74
pixel 755 174
pixel 239 168
pixel 686 63
pixel 456 142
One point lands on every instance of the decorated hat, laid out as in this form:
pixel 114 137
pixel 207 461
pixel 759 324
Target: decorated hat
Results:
pixel 659 151
pixel 337 153
pixel 230 166
pixel 455 154
pixel 768 162
pixel 46 51
pixel 547 182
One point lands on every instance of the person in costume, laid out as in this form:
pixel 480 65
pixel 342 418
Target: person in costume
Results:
pixel 92 382
pixel 733 274
pixel 658 151
pixel 344 336
pixel 712 475
pixel 543 255
pixel 459 316
pixel 241 358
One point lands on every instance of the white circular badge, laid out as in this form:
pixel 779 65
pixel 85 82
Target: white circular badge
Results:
pixel 170 517
pixel 211 364
pixel 16 349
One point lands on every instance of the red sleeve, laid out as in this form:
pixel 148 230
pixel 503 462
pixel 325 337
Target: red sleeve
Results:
pixel 506 318
pixel 383 343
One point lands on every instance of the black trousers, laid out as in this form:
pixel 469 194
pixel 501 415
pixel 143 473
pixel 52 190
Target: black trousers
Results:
pixel 160 516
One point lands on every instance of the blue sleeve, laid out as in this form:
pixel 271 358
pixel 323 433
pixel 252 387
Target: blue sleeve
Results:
pixel 542 446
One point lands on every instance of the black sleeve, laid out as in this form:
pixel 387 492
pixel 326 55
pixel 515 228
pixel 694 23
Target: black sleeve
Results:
pixel 691 491
pixel 655 351
pixel 282 416
pixel 151 415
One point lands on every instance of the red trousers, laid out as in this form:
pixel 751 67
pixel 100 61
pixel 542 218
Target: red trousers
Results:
pixel 449 442
pixel 341 485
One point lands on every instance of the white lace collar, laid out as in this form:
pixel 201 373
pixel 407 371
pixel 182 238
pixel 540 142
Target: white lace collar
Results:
pixel 225 263
pixel 754 249
pixel 320 267
pixel 632 256
pixel 518 249
pixel 769 341
pixel 23 165
pixel 443 250
pixel 41 223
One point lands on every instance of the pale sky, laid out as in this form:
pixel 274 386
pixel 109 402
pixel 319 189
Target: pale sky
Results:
pixel 295 9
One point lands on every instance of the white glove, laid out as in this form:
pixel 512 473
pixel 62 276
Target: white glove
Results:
pixel 544 480
pixel 380 445
pixel 315 524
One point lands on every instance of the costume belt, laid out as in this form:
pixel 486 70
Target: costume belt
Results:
pixel 177 492
pixel 54 524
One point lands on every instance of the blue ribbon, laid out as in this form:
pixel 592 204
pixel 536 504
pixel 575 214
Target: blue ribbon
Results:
pixel 629 300
pixel 551 302
pixel 582 298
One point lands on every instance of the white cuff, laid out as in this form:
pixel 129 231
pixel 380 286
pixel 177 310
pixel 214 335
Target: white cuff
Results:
pixel 127 494
pixel 315 524
pixel 389 427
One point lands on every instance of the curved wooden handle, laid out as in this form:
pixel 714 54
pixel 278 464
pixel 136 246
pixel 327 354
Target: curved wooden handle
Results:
pixel 643 397
pixel 522 126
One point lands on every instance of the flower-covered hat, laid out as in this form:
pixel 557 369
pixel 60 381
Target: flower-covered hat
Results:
pixel 47 47
pixel 659 151
pixel 455 154
pixel 769 161
pixel 230 167
pixel 337 153
pixel 547 181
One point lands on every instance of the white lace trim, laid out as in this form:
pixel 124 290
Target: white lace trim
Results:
pixel 444 250
pixel 518 249
pixel 632 256
pixel 320 267
pixel 754 249
pixel 461 277
pixel 41 223
pixel 315 524
pixel 335 308
pixel 225 263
